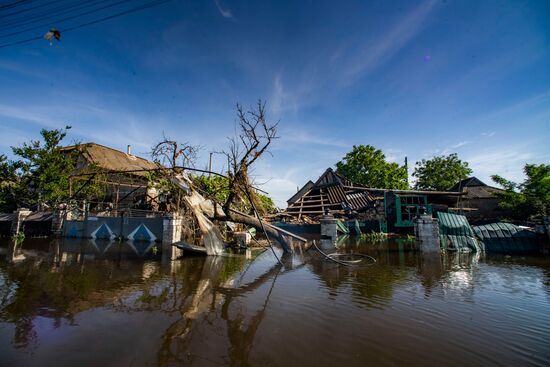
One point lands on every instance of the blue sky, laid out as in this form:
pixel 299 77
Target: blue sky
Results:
pixel 414 78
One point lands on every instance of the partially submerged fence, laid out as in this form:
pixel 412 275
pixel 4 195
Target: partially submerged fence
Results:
pixel 110 227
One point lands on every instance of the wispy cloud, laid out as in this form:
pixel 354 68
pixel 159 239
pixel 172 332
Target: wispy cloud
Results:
pixel 375 53
pixel 308 138
pixel 489 133
pixel 226 13
pixel 28 115
pixel 460 144
pixel 346 63
pixel 508 162
pixel 278 95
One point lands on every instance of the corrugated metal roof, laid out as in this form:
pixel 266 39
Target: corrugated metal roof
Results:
pixel 507 238
pixel 456 233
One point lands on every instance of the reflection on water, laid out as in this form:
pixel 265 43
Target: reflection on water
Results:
pixel 110 303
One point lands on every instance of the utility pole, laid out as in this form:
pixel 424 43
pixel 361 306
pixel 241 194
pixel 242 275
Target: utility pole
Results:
pixel 407 169
pixel 210 166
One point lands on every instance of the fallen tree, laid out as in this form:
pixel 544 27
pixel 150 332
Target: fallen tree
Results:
pixel 254 137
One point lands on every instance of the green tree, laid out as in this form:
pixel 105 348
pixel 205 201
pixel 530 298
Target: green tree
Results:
pixel 440 173
pixel 367 165
pixel 9 184
pixel 218 188
pixel 530 198
pixel 45 169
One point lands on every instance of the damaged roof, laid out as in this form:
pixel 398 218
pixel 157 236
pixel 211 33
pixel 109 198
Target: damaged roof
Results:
pixel 335 192
pixel 111 159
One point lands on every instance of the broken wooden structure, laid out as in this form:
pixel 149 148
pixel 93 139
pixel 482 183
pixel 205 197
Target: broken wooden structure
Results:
pixel 394 210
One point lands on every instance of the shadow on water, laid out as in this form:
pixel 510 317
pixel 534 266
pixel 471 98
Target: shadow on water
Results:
pixel 59 297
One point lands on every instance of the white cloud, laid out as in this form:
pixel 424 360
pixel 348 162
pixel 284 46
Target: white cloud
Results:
pixel 460 144
pixel 346 63
pixel 308 138
pixel 29 115
pixel 376 53
pixel 507 162
pixel 226 13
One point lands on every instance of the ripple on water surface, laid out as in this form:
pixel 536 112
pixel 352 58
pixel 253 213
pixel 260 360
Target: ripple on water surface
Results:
pixel 88 305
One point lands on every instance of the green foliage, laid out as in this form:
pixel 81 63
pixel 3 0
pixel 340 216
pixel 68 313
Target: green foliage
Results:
pixel 41 175
pixel 9 184
pixel 45 169
pixel 367 165
pixel 530 198
pixel 374 236
pixel 267 203
pixel 440 173
pixel 18 237
pixel 215 186
pixel 218 188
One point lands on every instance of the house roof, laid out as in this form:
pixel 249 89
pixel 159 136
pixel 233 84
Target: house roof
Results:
pixel 475 188
pixel 329 177
pixel 335 192
pixel 111 159
pixel 300 192
pixel 467 182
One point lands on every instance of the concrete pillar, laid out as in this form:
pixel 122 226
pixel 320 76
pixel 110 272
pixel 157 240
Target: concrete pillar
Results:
pixel 57 223
pixel 242 238
pixel 328 227
pixel 426 232
pixel 171 233
pixel 20 215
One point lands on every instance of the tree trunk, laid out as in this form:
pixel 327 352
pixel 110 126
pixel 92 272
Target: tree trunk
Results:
pixel 254 222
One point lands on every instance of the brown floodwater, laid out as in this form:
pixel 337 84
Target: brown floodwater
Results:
pixel 81 303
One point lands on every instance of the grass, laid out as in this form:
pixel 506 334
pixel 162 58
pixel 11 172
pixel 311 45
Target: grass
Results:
pixel 374 236
pixel 18 236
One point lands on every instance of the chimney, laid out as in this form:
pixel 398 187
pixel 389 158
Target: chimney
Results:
pixel 129 150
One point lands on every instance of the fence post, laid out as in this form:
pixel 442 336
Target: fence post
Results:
pixel 171 233
pixel 58 220
pixel 20 215
pixel 426 233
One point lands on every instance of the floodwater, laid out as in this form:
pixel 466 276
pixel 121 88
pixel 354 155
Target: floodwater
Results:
pixel 122 304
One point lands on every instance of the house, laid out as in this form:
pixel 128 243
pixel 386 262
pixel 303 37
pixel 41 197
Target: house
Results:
pixel 385 209
pixel 480 202
pixel 332 192
pixel 125 176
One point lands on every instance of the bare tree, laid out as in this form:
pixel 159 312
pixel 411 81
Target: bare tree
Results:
pixel 253 140
pixel 168 152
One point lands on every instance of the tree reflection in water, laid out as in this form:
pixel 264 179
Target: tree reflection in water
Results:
pixel 212 308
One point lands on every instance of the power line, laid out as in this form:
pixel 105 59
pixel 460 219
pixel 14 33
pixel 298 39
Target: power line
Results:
pixel 15 4
pixel 129 11
pixel 27 9
pixel 50 13
pixel 64 19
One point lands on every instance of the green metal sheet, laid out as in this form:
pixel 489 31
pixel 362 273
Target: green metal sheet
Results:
pixel 507 238
pixel 341 227
pixel 456 233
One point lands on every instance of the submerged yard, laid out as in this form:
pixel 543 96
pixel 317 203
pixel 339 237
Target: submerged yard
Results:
pixel 112 304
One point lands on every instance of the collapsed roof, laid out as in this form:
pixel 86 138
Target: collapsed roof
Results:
pixel 335 192
pixel 331 191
